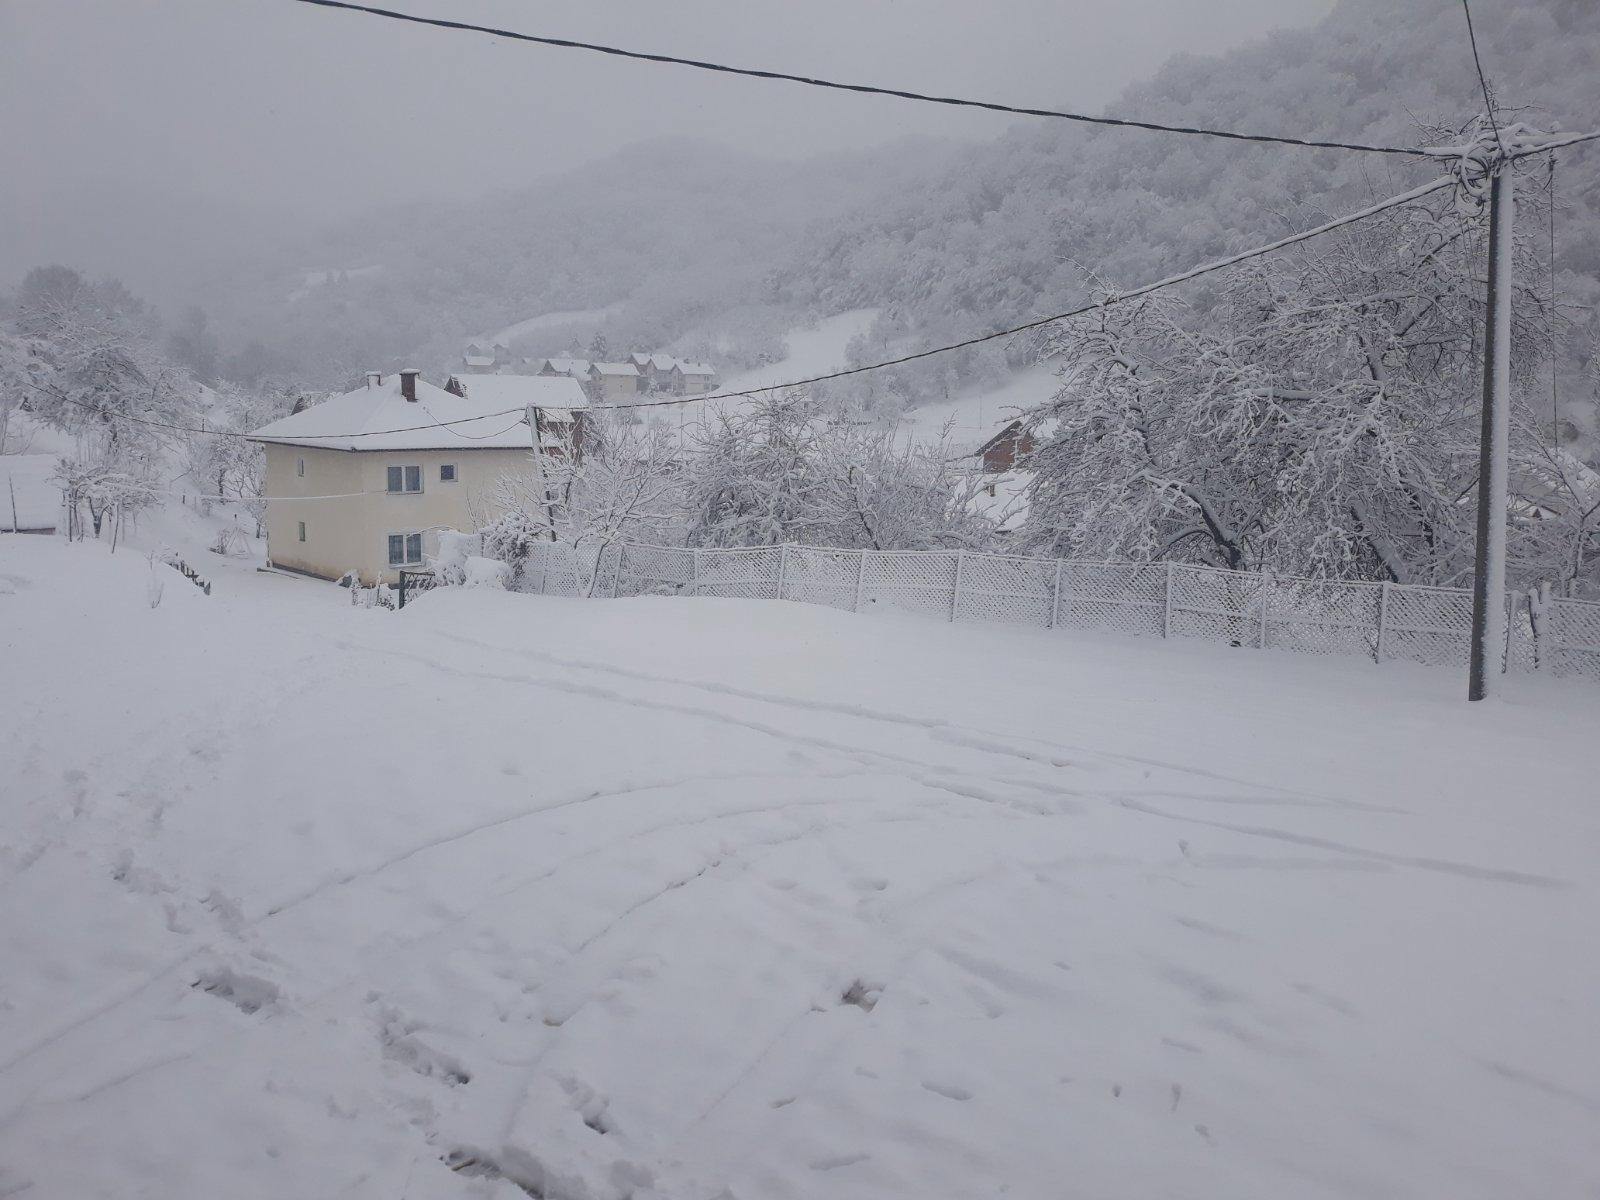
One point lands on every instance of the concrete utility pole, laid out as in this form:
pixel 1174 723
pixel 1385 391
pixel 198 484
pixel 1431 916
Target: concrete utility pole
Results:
pixel 1489 565
pixel 536 432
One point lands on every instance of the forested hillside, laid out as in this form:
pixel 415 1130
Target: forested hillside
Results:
pixel 672 239
pixel 1020 227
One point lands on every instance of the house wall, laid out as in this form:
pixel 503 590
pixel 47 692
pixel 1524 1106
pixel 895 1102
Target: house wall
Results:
pixel 613 387
pixel 351 533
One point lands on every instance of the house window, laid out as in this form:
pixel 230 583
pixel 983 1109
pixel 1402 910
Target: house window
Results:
pixel 405 479
pixel 447 472
pixel 405 549
pixel 300 469
pixel 302 531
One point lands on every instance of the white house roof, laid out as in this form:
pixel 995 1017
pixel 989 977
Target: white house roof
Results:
pixel 614 368
pixel 38 496
pixel 568 366
pixel 694 368
pixel 380 418
pixel 513 391
pixel 663 362
pixel 478 360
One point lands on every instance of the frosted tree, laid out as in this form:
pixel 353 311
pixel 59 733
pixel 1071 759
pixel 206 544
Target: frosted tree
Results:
pixel 755 477
pixel 1319 417
pixel 621 485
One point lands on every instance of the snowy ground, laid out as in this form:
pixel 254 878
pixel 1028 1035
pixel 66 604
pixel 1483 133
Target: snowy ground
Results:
pixel 712 898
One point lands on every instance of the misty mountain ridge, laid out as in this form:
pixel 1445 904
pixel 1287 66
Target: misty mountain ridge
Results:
pixel 686 246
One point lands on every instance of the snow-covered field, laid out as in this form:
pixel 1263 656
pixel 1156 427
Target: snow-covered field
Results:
pixel 709 898
pixel 813 351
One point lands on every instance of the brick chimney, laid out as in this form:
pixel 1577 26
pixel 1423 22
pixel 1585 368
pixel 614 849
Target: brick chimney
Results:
pixel 408 383
pixel 374 379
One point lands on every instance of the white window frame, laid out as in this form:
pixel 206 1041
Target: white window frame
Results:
pixel 408 472
pixel 406 543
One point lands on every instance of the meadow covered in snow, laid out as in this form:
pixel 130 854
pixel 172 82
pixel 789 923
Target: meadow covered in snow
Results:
pixel 506 895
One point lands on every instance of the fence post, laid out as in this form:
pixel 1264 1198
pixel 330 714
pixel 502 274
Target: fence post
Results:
pixel 783 566
pixel 1166 604
pixel 616 576
pixel 1383 619
pixel 1055 597
pixel 402 589
pixel 861 571
pixel 1266 602
pixel 955 594
pixel 694 571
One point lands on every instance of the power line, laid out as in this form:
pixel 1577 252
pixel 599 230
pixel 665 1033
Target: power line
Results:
pixel 1488 101
pixel 1118 298
pixel 862 88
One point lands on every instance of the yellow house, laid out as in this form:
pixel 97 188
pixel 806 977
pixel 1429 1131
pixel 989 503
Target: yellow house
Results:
pixel 364 481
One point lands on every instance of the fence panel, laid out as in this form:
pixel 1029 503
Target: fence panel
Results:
pixel 1570 641
pixel 552 570
pixel 1312 617
pixel 742 574
pixel 1121 597
pixel 1428 625
pixel 1000 588
pixel 1225 606
pixel 815 575
pixel 655 571
pixel 913 581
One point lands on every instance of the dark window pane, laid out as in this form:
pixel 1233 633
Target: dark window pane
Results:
pixel 447 473
pixel 394 479
pixel 414 547
pixel 413 479
pixel 397 549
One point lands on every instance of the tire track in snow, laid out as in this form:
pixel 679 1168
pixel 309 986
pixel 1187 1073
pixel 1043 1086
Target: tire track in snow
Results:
pixel 960 784
pixel 987 741
pixel 1447 866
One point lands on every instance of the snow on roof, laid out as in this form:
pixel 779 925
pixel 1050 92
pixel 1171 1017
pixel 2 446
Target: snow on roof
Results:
pixel 614 368
pixel 478 360
pixel 568 366
pixel 380 418
pixel 511 391
pixel 38 496
pixel 662 362
pixel 694 368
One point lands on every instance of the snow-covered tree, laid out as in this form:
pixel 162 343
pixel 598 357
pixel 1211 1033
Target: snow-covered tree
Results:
pixel 1318 416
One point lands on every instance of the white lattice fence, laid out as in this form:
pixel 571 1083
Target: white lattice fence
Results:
pixel 909 581
pixel 1122 597
pixel 1430 625
pixel 814 575
pixel 1569 642
pixel 1016 591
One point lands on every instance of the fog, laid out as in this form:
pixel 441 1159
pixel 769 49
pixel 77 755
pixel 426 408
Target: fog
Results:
pixel 145 135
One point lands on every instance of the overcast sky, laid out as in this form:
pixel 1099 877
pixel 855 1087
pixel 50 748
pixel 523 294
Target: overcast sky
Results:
pixel 239 104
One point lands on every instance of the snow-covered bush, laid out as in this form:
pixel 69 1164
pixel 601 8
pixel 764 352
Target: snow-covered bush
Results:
pixel 455 548
pixel 480 572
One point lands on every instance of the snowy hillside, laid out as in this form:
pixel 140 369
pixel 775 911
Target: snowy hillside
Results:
pixel 513 896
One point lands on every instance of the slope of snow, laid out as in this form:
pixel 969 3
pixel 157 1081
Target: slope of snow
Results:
pixel 814 351
pixel 508 896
